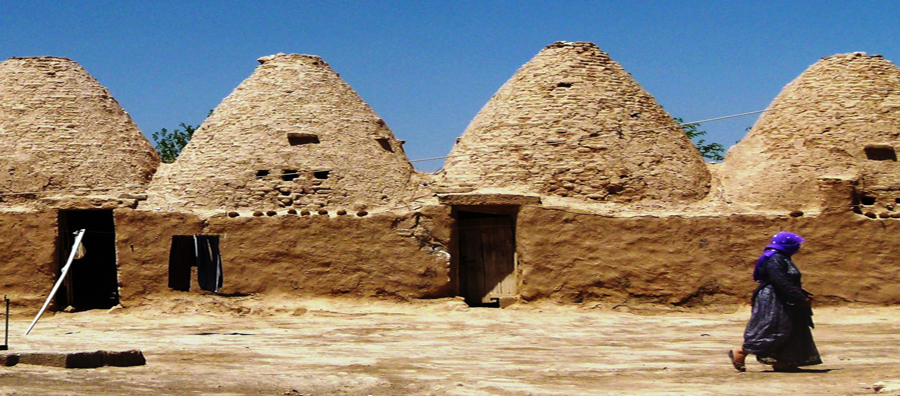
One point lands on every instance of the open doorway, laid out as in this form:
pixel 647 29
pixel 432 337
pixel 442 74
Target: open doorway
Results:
pixel 92 282
pixel 486 255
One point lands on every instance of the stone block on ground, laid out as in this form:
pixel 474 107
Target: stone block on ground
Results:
pixel 133 357
pixel 9 359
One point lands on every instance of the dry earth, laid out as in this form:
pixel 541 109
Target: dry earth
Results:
pixel 215 345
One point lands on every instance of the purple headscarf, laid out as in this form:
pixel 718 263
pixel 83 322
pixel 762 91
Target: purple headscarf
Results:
pixel 783 242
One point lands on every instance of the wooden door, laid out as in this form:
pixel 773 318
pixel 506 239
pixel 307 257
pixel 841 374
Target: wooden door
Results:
pixel 487 267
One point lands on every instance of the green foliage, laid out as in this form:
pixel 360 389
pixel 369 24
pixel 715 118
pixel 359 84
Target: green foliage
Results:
pixel 170 144
pixel 710 151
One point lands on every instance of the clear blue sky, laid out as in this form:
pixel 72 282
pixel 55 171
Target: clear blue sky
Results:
pixel 428 67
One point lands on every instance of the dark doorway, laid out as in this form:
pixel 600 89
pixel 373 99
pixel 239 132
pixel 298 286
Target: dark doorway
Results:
pixel 92 282
pixel 487 262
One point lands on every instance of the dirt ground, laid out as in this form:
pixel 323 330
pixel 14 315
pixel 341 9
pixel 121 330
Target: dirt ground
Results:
pixel 214 345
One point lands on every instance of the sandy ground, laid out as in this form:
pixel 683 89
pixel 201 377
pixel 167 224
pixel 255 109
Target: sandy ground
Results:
pixel 239 346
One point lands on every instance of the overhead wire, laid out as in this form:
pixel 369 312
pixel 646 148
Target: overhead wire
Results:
pixel 298 173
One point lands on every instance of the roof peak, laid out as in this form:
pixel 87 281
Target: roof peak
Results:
pixel 851 56
pixel 43 57
pixel 573 44
pixel 281 56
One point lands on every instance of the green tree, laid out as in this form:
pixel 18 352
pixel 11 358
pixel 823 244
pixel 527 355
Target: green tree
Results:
pixel 170 144
pixel 710 151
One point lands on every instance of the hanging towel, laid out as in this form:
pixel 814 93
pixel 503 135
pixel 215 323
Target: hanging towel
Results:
pixel 209 262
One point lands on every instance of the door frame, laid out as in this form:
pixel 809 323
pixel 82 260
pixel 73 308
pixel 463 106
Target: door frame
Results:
pixel 99 270
pixel 458 270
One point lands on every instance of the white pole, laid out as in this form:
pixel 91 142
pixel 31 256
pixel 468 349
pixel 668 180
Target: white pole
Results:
pixel 78 235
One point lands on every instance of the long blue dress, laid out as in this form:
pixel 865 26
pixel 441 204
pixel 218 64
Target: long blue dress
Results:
pixel 779 327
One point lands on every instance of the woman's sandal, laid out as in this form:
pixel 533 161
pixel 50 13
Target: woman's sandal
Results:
pixel 737 365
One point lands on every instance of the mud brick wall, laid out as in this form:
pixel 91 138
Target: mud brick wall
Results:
pixel 699 261
pixel 573 123
pixel 143 242
pixel 387 254
pixel 28 257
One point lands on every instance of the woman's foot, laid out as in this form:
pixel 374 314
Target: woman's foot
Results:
pixel 738 357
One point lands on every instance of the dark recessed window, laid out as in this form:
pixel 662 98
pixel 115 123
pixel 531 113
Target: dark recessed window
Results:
pixel 299 139
pixel 321 175
pixel 868 201
pixel 564 85
pixel 385 144
pixel 261 174
pixel 880 152
pixel 289 174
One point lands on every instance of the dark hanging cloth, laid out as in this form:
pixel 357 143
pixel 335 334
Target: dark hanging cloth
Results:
pixel 182 257
pixel 209 262
pixel 779 327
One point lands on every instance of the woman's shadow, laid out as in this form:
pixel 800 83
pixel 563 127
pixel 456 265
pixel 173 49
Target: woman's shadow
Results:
pixel 800 371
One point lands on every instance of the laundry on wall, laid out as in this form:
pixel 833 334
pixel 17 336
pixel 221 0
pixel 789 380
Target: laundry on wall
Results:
pixel 201 251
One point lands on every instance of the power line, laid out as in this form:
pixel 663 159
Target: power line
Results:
pixel 295 174
pixel 554 143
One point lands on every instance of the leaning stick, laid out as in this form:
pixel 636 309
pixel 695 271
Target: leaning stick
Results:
pixel 78 235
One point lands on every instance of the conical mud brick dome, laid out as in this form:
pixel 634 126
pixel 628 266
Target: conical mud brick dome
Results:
pixel 293 135
pixel 62 133
pixel 572 123
pixel 839 119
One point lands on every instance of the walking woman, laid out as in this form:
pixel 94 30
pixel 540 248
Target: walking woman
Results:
pixel 779 329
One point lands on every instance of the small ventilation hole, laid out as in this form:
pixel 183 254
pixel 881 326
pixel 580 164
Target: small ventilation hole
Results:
pixel 299 139
pixel 385 144
pixel 868 201
pixel 289 174
pixel 880 152
pixel 261 174
pixel 322 175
